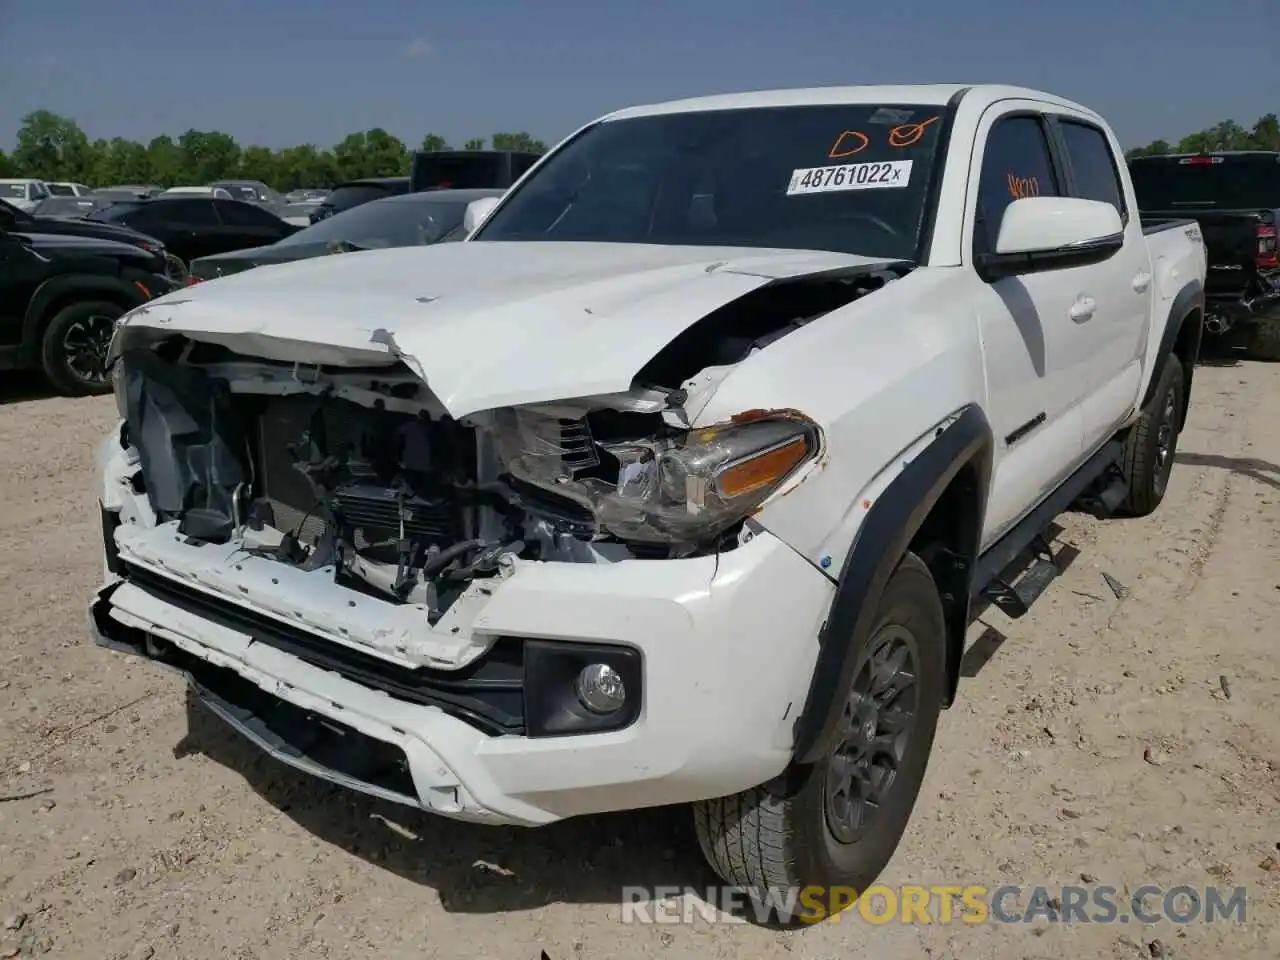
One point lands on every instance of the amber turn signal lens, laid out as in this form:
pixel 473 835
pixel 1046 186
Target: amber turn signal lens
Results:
pixel 763 469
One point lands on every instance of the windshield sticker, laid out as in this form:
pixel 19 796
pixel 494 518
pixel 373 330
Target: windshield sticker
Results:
pixel 849 143
pixel 887 116
pixel 849 176
pixel 909 134
pixel 1020 187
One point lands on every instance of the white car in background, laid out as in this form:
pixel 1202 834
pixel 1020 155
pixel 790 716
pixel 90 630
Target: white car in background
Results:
pixel 23 192
pixel 220 193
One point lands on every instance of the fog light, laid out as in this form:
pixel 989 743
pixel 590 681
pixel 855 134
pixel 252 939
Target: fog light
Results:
pixel 600 688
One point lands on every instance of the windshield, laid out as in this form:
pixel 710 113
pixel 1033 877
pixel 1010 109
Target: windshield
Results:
pixel 14 191
pixel 848 178
pixel 384 223
pixel 61 189
pixel 1244 182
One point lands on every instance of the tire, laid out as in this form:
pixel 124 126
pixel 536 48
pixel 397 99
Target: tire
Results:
pixel 82 328
pixel 1265 342
pixel 760 841
pixel 1152 443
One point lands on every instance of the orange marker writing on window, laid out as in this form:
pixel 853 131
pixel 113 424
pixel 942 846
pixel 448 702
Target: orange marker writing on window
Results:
pixel 908 133
pixel 852 141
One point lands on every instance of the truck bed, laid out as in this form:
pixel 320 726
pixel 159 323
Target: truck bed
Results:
pixel 1231 243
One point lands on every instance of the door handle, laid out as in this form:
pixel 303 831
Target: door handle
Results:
pixel 1141 282
pixel 1083 309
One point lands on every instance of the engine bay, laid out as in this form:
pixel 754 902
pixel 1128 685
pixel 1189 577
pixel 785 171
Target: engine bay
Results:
pixel 361 471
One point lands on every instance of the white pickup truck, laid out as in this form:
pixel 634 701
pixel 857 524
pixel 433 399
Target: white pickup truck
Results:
pixel 677 482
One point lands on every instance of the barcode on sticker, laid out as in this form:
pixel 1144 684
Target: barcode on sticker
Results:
pixel 850 176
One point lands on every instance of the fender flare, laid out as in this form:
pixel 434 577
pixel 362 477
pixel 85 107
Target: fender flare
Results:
pixel 886 534
pixel 53 289
pixel 1189 299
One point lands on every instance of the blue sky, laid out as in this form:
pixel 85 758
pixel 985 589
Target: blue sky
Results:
pixel 282 72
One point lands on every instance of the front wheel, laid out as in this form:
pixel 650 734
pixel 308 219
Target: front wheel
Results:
pixel 840 825
pixel 1152 443
pixel 74 348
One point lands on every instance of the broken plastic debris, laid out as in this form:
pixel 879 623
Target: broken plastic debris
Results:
pixel 1118 588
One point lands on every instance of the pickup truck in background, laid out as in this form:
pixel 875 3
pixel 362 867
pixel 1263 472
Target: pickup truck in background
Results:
pixel 1235 197
pixel 678 481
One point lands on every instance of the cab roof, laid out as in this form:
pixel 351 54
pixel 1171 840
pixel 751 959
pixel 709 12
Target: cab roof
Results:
pixel 936 94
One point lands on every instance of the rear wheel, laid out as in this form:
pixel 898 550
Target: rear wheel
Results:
pixel 1152 443
pixel 840 825
pixel 73 350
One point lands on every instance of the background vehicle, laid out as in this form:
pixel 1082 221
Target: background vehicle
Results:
pixel 130 191
pixel 62 189
pixel 197 226
pixel 409 220
pixel 352 193
pixel 221 193
pixel 18 221
pixel 306 194
pixel 75 207
pixel 60 297
pixel 23 194
pixel 1235 197
pixel 299 213
pixel 468 169
pixel 252 191
pixel 745 400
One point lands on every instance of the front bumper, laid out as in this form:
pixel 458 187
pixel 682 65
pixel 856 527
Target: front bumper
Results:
pixel 727 643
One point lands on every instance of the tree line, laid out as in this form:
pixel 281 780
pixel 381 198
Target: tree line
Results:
pixel 1224 135
pixel 53 147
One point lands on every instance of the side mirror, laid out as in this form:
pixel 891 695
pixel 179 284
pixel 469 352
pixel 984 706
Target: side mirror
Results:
pixel 1048 233
pixel 477 210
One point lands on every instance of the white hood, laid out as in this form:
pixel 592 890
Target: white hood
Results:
pixel 484 324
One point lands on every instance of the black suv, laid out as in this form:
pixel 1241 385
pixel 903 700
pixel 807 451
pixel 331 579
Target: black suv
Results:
pixel 19 221
pixel 60 297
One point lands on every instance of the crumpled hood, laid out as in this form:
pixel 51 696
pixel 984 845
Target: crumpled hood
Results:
pixel 485 324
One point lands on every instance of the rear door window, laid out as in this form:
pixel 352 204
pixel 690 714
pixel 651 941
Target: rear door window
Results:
pixel 1093 165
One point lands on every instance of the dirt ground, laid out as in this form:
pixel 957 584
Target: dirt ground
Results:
pixel 1121 740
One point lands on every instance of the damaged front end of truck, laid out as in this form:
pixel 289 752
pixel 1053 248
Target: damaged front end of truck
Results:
pixel 333 491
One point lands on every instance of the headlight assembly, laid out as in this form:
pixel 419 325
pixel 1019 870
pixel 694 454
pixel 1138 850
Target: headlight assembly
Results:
pixel 679 487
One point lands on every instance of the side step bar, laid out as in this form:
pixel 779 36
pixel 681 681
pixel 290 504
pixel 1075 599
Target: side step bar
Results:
pixel 1015 599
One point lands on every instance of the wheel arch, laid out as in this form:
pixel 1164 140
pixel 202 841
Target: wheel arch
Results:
pixel 57 293
pixel 936 506
pixel 1181 337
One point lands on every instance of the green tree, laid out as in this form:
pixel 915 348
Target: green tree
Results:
pixel 165 162
pixel 1266 133
pixel 475 143
pixel 259 163
pixel 518 141
pixel 7 167
pixel 120 161
pixel 305 166
pixel 433 142
pixel 53 145
pixel 208 156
